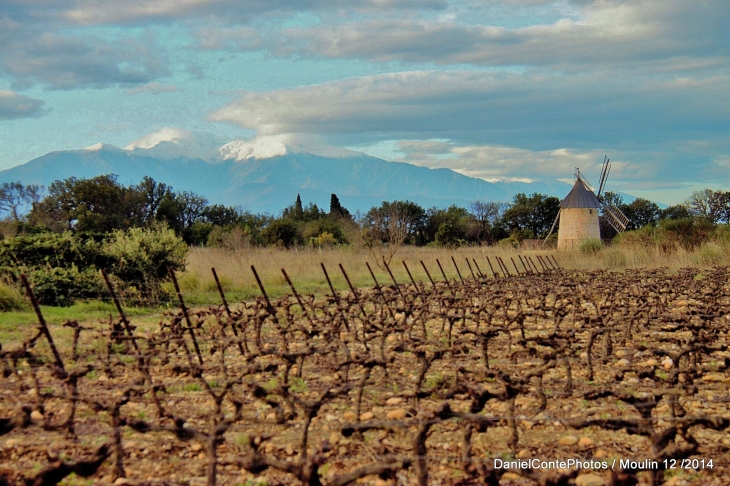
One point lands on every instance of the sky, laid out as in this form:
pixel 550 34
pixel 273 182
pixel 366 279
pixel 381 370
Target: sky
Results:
pixel 497 89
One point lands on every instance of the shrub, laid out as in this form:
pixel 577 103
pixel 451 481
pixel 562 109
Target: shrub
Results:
pixel 325 240
pixel 448 236
pixel 721 234
pixel 47 250
pixel 10 298
pixel 141 257
pixel 510 242
pixel 281 232
pixel 63 286
pixel 64 267
pixel 689 233
pixel 591 246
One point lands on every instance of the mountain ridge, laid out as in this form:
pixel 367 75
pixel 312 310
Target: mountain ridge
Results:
pixel 268 183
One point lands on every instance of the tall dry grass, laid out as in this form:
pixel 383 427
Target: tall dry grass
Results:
pixel 708 255
pixel 303 265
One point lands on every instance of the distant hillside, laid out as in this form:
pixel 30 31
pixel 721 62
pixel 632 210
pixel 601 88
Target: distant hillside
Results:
pixel 269 182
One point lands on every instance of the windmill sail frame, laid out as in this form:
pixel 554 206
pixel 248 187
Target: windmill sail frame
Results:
pixel 615 217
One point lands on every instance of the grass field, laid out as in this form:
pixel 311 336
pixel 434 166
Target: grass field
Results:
pixel 304 269
pixel 303 266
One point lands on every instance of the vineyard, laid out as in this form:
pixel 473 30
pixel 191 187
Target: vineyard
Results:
pixel 497 377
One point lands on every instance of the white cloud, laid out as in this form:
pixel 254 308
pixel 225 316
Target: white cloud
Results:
pixel 68 62
pixel 536 109
pixel 154 88
pixel 492 162
pixel 603 32
pixel 88 12
pixel 14 105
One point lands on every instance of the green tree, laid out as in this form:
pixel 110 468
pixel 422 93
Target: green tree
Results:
pixel 678 211
pixel 447 227
pixel 641 212
pixel 534 213
pixel 17 199
pixel 487 218
pixel 281 232
pixel 336 209
pixel 220 215
pixel 152 194
pixel 184 212
pixel 96 205
pixel 395 222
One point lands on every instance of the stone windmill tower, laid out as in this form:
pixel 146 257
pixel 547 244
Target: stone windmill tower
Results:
pixel 579 212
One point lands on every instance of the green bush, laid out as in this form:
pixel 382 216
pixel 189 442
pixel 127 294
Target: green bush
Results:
pixel 669 235
pixel 10 298
pixel 63 286
pixel 591 246
pixel 448 236
pixel 721 234
pixel 689 233
pixel 64 267
pixel 141 257
pixel 281 232
pixel 47 250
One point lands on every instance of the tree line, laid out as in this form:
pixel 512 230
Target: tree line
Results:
pixel 102 204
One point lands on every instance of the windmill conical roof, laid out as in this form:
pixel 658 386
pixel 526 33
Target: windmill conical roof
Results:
pixel 580 197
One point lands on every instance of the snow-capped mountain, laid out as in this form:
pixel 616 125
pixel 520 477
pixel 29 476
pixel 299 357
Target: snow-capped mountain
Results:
pixel 265 174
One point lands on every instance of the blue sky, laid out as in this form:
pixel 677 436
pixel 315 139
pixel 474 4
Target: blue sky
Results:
pixel 510 89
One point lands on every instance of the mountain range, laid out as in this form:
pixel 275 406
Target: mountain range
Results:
pixel 265 174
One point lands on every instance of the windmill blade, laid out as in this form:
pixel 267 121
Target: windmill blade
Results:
pixel 615 217
pixel 605 169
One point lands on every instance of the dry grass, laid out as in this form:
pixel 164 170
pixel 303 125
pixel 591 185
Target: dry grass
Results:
pixel 628 256
pixel 303 266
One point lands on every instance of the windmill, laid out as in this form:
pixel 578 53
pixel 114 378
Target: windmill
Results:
pixel 580 212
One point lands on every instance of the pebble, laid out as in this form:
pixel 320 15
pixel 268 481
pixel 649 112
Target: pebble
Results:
pixel 524 454
pixel 511 476
pixel 600 453
pixel 367 416
pixel 349 416
pixel 201 456
pixel 590 480
pixel 289 450
pixel 585 442
pixel 121 481
pixel 36 415
pixel 196 447
pixel 623 362
pixel 394 401
pixel 398 414
pixel 334 438
pixel 568 440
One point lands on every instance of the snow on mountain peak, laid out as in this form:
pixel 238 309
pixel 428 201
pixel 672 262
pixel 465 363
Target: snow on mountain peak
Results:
pixel 272 146
pixel 94 148
pixel 170 143
pixel 166 134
